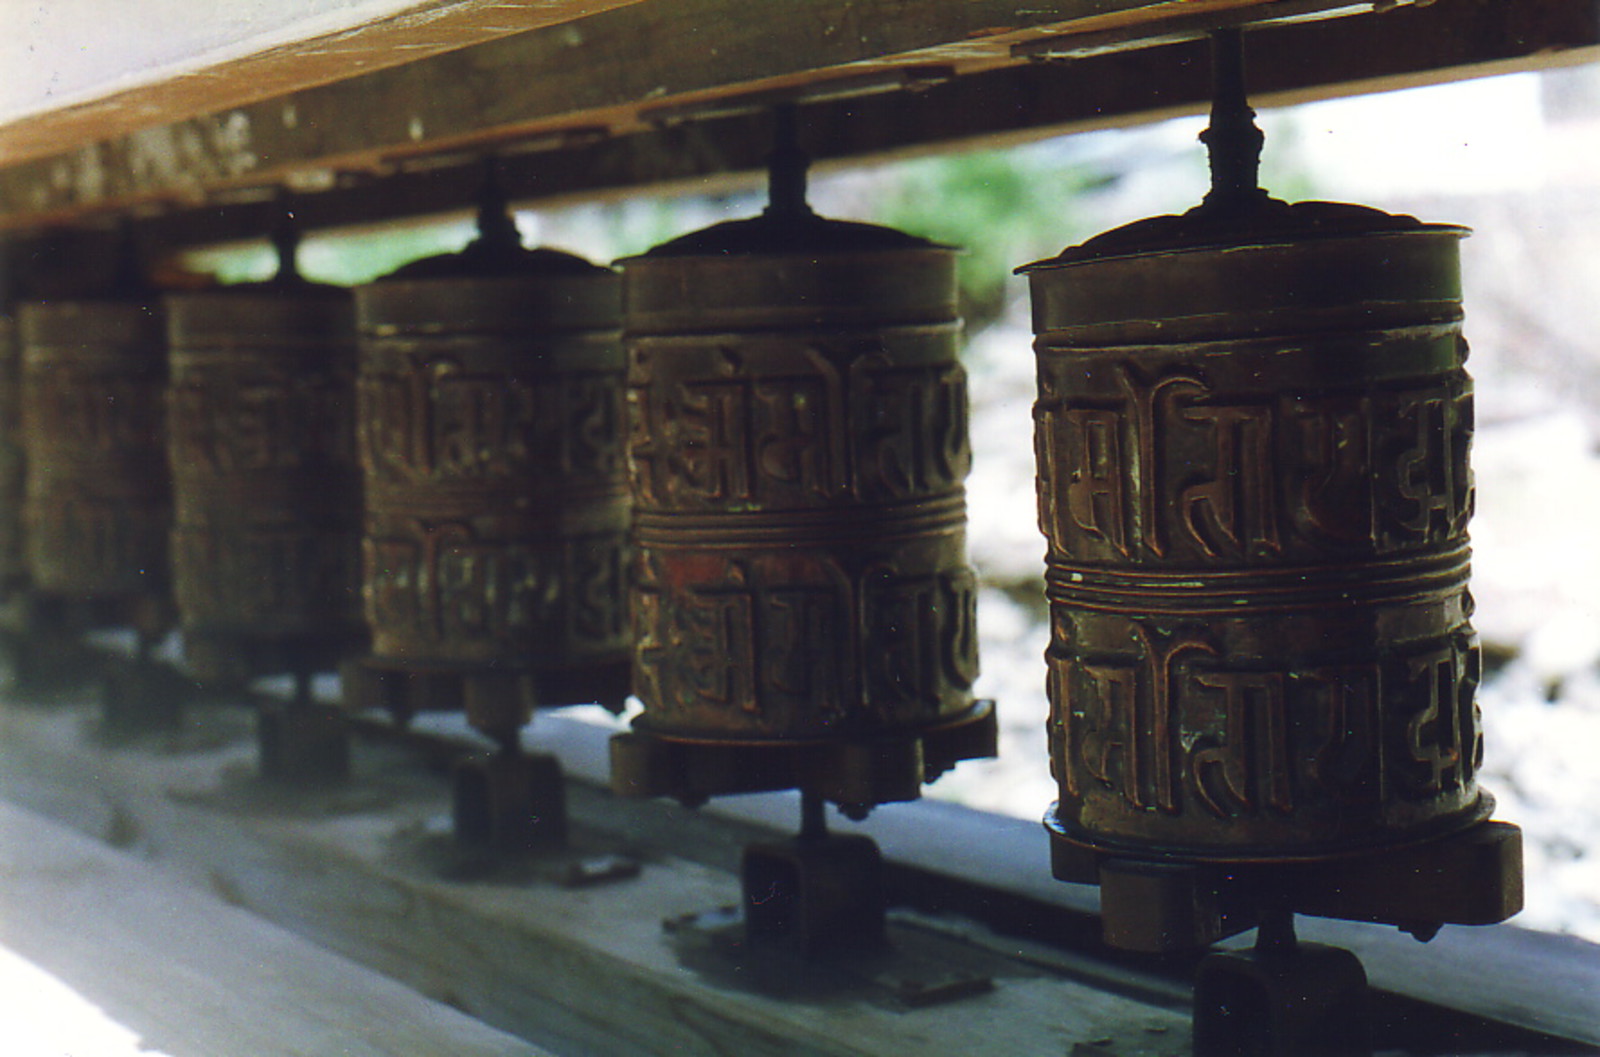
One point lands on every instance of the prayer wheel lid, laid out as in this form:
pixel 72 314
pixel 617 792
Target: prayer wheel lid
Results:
pixel 788 232
pixel 1265 221
pixel 497 252
pixel 484 258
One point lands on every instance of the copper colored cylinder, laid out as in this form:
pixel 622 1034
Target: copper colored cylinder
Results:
pixel 798 443
pixel 1253 475
pixel 266 489
pixel 98 509
pixel 490 409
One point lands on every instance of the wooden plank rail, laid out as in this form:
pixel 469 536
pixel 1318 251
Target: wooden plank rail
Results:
pixel 363 872
pixel 103 953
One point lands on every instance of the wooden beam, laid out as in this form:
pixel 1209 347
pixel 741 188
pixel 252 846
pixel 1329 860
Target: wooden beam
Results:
pixel 602 72
pixel 82 70
pixel 1449 40
pixel 587 970
pixel 101 952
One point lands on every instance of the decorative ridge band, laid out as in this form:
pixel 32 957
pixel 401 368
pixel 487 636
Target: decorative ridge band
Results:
pixel 1428 577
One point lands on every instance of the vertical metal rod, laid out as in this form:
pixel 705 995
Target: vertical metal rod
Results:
pixel 813 816
pixel 786 166
pixel 1233 140
pixel 497 228
pixel 286 240
pixel 1275 934
pixel 302 687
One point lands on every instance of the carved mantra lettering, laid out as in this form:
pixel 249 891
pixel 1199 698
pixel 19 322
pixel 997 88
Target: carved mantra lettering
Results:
pixel 437 420
pixel 222 424
pixel 849 424
pixel 93 414
pixel 735 642
pixel 439 583
pixel 261 577
pixel 1173 467
pixel 1174 727
pixel 102 546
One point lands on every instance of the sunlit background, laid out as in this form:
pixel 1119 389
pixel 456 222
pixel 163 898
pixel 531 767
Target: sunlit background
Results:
pixel 1517 158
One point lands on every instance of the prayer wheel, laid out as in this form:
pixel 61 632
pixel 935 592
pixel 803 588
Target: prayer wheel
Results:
pixel 803 609
pixel 266 489
pixel 1252 431
pixel 490 410
pixel 97 508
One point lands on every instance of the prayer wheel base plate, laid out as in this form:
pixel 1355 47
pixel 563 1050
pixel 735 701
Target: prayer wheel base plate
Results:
pixel 1470 877
pixel 303 744
pixel 856 774
pixel 494 699
pixel 821 894
pixel 1308 1001
pixel 510 802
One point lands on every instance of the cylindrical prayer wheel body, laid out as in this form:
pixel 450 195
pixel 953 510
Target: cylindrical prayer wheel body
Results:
pixel 1254 480
pixel 266 489
pixel 798 443
pixel 98 507
pixel 490 411
pixel 13 568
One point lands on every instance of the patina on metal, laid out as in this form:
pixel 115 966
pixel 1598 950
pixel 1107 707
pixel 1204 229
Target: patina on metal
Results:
pixel 1252 429
pixel 803 610
pixel 266 488
pixel 97 509
pixel 490 400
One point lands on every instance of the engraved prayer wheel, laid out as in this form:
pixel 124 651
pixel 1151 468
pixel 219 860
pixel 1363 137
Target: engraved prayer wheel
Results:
pixel 1253 477
pixel 490 411
pixel 803 609
pixel 97 508
pixel 266 487
pixel 1252 429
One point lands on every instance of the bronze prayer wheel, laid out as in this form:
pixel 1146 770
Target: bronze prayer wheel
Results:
pixel 1253 475
pixel 97 510
pixel 803 609
pixel 266 488
pixel 490 410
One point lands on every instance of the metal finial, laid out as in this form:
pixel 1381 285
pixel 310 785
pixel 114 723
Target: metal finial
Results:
pixel 286 241
pixel 786 166
pixel 1233 139
pixel 497 228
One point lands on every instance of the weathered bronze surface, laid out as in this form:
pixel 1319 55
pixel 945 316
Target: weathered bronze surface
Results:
pixel 798 445
pixel 490 411
pixel 1254 480
pixel 1252 431
pixel 97 510
pixel 266 489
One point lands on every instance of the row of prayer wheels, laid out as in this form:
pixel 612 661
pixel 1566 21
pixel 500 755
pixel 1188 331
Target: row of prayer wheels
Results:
pixel 730 482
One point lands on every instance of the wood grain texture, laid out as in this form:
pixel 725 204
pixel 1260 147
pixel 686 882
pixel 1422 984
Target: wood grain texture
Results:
pixel 82 69
pixel 171 968
pixel 1447 40
pixel 584 971
pixel 576 968
pixel 599 71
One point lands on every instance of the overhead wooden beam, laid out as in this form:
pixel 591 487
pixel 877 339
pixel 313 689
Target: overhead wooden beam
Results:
pixel 609 72
pixel 79 71
pixel 1449 40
